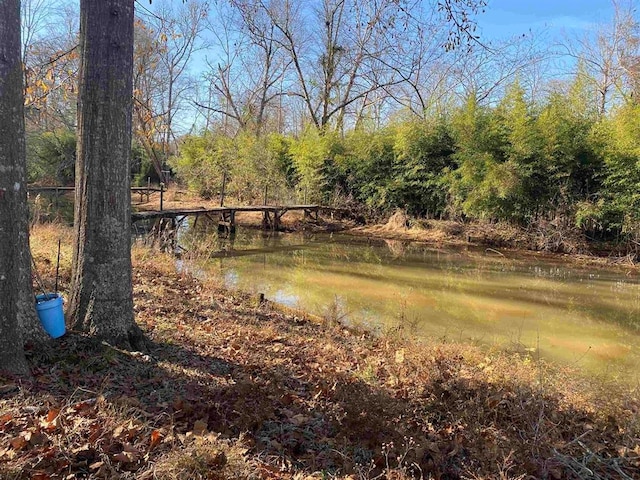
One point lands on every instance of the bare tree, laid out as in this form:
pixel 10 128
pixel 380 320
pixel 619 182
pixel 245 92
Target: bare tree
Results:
pixel 246 82
pixel 178 27
pixel 13 194
pixel 225 80
pixel 601 55
pixel 485 72
pixel 227 86
pixel 50 60
pixel 149 85
pixel 343 53
pixel 629 49
pixel 422 65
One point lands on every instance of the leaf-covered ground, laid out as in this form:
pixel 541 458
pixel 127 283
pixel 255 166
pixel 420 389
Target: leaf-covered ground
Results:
pixel 230 388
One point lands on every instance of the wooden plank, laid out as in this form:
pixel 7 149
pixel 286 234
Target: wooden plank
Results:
pixel 145 189
pixel 50 189
pixel 71 189
pixel 228 212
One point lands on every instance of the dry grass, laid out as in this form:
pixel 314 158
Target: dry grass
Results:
pixel 205 456
pixel 44 245
pixel 546 242
pixel 230 388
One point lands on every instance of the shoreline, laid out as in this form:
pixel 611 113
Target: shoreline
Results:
pixel 438 236
pixel 500 239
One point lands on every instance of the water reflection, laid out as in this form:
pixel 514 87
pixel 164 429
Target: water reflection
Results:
pixel 569 314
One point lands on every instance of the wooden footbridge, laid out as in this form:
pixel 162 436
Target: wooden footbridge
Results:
pixel 226 215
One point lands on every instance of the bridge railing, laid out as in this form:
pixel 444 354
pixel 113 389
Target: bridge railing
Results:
pixel 148 190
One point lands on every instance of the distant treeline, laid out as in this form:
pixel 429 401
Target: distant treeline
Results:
pixel 559 161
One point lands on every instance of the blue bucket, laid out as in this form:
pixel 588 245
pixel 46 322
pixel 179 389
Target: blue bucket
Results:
pixel 49 308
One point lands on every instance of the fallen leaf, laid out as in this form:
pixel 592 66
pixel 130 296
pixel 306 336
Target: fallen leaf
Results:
pixel 51 426
pixel 156 438
pixel 84 453
pixel 40 476
pixel 96 432
pixel 18 442
pixel 38 438
pixel 85 404
pixel 51 416
pixel 124 457
pixel 200 427
pixel 299 419
pixel 8 454
pixel 127 447
pixel 133 430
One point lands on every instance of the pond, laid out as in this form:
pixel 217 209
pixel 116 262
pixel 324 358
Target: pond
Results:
pixel 586 317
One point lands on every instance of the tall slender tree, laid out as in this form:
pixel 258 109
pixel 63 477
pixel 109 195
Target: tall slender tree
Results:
pixel 102 301
pixel 13 194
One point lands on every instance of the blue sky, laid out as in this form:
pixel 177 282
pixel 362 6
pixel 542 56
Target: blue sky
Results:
pixel 505 18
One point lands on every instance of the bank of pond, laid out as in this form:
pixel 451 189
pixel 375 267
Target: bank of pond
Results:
pixel 588 317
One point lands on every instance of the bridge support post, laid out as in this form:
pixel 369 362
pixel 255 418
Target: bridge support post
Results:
pixel 311 213
pixel 227 222
pixel 270 222
pixel 266 220
pixel 232 221
pixel 277 214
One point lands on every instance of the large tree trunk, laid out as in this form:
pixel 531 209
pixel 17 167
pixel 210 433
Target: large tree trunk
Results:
pixel 13 192
pixel 101 301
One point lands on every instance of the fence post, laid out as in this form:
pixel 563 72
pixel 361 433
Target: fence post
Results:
pixel 161 195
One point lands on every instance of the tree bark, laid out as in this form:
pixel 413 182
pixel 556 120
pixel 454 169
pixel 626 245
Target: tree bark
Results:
pixel 102 300
pixel 13 193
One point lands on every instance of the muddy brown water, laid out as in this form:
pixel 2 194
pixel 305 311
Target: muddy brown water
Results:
pixel 585 317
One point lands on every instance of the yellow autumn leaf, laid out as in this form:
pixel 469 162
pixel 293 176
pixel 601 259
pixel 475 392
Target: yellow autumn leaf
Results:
pixel 199 427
